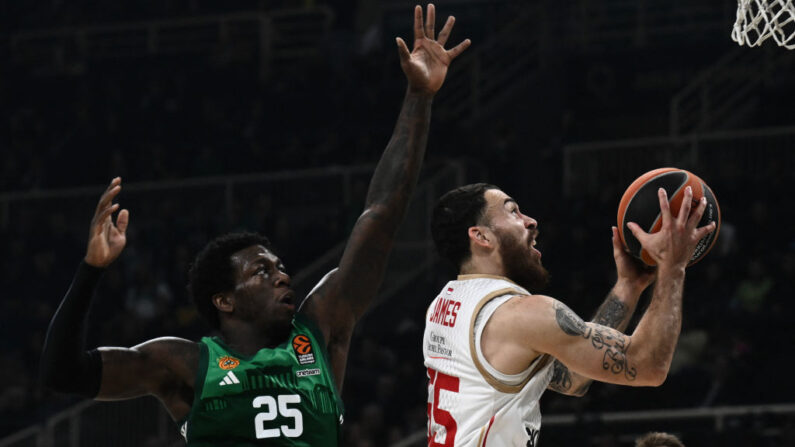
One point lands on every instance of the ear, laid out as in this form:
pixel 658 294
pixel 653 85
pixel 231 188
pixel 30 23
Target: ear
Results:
pixel 481 236
pixel 224 302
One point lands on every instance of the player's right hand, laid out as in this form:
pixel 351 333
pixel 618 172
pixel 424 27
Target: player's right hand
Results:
pixel 426 64
pixel 106 239
pixel 673 245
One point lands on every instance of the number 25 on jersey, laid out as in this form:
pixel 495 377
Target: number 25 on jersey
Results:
pixel 437 382
pixel 274 408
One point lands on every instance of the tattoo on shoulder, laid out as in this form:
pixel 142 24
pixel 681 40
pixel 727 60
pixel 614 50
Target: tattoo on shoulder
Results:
pixel 612 312
pixel 568 321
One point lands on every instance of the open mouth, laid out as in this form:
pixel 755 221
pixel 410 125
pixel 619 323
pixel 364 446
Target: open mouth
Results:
pixel 532 238
pixel 288 298
pixel 533 244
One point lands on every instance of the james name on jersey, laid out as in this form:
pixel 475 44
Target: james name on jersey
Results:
pixel 446 311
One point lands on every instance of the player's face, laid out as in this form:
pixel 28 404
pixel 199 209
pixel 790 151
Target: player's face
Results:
pixel 516 234
pixel 262 293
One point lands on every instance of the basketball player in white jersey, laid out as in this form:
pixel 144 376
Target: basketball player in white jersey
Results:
pixel 492 346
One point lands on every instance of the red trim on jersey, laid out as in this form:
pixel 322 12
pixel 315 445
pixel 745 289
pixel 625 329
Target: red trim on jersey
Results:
pixel 491 421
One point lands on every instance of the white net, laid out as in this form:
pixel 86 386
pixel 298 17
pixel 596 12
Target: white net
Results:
pixel 758 20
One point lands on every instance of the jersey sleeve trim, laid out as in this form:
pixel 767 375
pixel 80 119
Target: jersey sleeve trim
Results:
pixel 198 386
pixel 310 325
pixel 201 372
pixel 481 319
pixel 319 284
pixel 483 275
pixel 539 362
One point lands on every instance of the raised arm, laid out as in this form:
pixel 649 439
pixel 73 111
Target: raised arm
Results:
pixel 615 312
pixel 67 366
pixel 344 296
pixel 532 325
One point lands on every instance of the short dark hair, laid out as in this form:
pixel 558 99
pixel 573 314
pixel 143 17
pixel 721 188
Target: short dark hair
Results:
pixel 658 439
pixel 212 271
pixel 455 212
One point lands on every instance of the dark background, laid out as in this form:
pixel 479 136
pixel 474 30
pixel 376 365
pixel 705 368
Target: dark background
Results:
pixel 92 91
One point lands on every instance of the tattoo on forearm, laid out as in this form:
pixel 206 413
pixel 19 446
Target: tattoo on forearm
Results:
pixel 612 312
pixel 614 344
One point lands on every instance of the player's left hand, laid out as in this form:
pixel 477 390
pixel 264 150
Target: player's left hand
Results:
pixel 630 270
pixel 107 239
pixel 426 65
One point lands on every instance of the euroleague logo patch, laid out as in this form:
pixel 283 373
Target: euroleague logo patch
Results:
pixel 303 349
pixel 227 363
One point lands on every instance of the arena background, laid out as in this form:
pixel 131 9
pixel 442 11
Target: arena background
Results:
pixel 270 115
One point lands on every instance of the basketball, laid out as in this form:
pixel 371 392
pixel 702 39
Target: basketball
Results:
pixel 640 204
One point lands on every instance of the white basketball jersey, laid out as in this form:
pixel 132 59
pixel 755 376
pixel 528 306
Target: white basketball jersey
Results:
pixel 470 403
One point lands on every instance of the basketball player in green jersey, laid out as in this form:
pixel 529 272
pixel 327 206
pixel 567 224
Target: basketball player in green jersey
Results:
pixel 273 375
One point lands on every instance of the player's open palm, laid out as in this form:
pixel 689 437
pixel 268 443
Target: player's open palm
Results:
pixel 106 239
pixel 426 65
pixel 674 243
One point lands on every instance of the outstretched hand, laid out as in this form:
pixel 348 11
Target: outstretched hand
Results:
pixel 106 240
pixel 678 237
pixel 426 65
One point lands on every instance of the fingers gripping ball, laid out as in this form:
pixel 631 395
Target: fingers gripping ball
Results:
pixel 640 204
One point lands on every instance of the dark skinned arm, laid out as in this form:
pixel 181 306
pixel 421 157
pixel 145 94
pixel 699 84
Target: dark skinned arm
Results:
pixel 344 296
pixel 163 367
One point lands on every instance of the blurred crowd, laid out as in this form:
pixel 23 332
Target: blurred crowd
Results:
pixel 57 13
pixel 169 118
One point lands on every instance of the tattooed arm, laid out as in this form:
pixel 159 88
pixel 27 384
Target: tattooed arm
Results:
pixel 344 295
pixel 527 326
pixel 613 313
pixel 616 311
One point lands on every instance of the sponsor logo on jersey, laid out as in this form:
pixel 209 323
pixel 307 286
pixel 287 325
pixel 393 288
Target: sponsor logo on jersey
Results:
pixel 437 344
pixel 308 372
pixel 229 379
pixel 303 349
pixel 449 290
pixel 226 363
pixel 533 434
pixel 445 312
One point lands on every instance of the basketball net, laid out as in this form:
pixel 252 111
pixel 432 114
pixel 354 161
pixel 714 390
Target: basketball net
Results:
pixel 757 20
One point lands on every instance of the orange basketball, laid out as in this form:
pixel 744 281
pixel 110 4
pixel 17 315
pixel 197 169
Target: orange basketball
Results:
pixel 640 204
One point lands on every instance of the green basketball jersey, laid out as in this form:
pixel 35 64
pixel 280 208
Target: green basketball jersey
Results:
pixel 283 396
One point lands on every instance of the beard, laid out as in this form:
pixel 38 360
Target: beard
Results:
pixel 522 265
